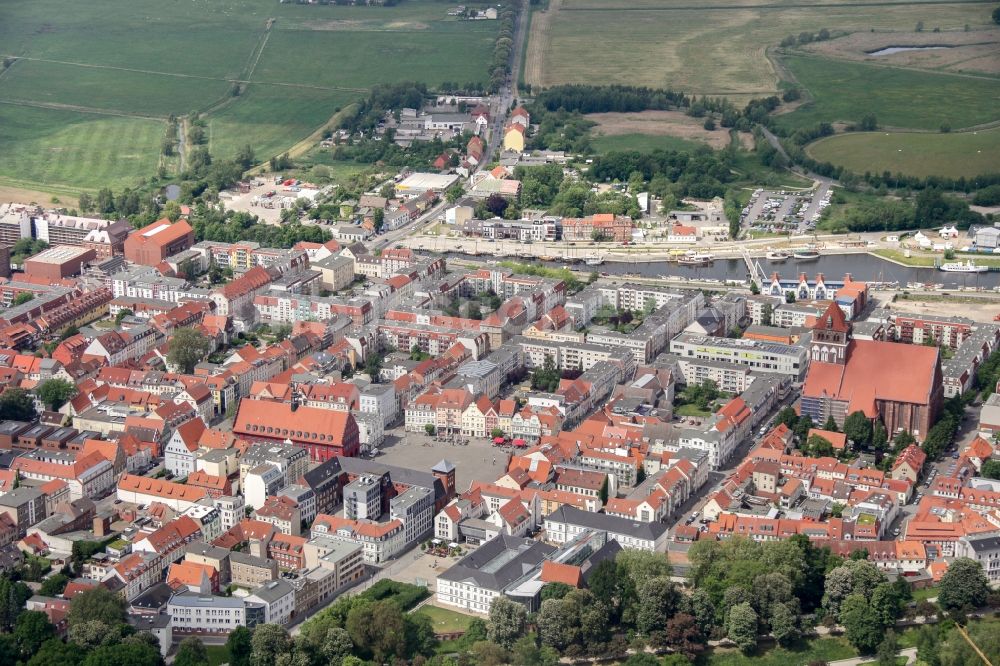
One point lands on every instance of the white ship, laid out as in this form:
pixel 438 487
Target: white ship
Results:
pixel 959 267
pixel 594 260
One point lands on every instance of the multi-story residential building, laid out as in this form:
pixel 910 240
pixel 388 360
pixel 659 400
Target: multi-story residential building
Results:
pixel 88 475
pixel 143 490
pixel 205 554
pixel 289 308
pixel 25 506
pixel 282 512
pixel 195 613
pixel 251 571
pixel 291 461
pixel 278 599
pixel 363 498
pixel 415 509
pixel 602 226
pixel 985 549
pixel 792 360
pixel 381 541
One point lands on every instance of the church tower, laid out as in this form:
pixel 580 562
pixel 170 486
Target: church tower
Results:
pixel 831 336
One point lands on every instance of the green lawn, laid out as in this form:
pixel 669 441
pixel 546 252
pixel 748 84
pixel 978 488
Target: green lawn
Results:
pixel 217 654
pixel 446 621
pixel 691 409
pixel 845 91
pixel 915 154
pixel 75 150
pixel 818 649
pixel 925 593
pixel 643 143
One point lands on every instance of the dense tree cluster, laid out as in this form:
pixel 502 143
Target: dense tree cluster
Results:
pixel 603 99
pixel 384 150
pixel 233 226
pixel 384 98
pixel 539 184
pixel 98 634
pixel 930 207
pixel 701 175
pixel 561 130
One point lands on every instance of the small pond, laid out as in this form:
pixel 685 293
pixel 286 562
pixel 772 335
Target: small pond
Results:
pixel 889 50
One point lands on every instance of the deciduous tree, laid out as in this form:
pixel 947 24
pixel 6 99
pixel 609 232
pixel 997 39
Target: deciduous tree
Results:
pixel 239 646
pixel 97 604
pixel 507 622
pixel 964 586
pixel 188 347
pixel 56 392
pixel 191 652
pixel 862 627
pixel 741 627
pixel 269 641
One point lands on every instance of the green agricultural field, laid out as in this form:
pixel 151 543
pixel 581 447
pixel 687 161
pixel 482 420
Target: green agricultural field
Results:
pixel 271 118
pixel 148 59
pixel 75 151
pixel 126 92
pixel 644 143
pixel 360 59
pixel 715 48
pixel 916 154
pixel 844 91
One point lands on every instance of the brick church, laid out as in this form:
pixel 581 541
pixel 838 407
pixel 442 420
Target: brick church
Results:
pixel 898 384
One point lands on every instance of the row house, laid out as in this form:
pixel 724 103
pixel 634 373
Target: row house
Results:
pixel 87 475
pixel 380 541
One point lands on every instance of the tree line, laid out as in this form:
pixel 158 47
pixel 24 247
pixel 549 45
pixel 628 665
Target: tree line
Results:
pixel 702 174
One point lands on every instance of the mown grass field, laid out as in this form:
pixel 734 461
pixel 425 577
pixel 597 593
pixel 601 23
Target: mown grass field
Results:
pixel 147 59
pixel 644 143
pixel 915 154
pixel 75 151
pixel 445 621
pixel 845 91
pixel 704 48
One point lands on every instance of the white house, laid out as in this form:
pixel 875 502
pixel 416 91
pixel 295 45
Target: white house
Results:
pixel 179 453
pixel 193 612
pixel 278 598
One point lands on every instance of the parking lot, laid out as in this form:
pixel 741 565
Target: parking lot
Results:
pixel 784 211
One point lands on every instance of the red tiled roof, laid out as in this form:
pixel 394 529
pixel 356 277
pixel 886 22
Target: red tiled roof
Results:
pixel 160 488
pixel 555 572
pixel 905 373
pixel 837 439
pixel 832 320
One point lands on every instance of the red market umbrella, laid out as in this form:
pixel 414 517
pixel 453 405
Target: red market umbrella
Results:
pixel 498 440
pixel 519 443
